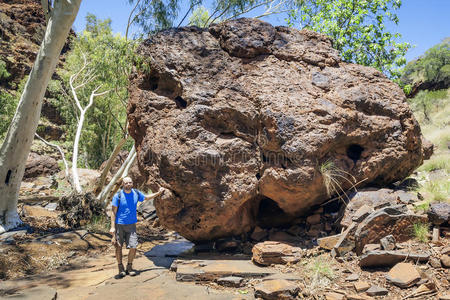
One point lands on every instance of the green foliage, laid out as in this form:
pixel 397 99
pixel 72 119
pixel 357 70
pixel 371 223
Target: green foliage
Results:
pixel 358 29
pixel 421 232
pixel 8 105
pixel 154 15
pixel 151 15
pixel 4 74
pixel 441 162
pixel 199 17
pixel 433 68
pixel 99 223
pixel 436 190
pixel 425 101
pixel 432 110
pixel 109 58
pixel 423 206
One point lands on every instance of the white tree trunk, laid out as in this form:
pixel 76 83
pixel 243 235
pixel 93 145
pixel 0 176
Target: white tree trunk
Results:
pixel 76 143
pixel 110 162
pixel 76 179
pixel 103 196
pixel 130 163
pixel 17 144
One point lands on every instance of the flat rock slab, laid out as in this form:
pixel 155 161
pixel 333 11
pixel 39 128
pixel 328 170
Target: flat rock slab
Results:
pixel 162 287
pixel 445 260
pixel 328 242
pixel 271 252
pixel 334 296
pixel 230 281
pixel 381 258
pixel 366 200
pixel 42 292
pixel 361 286
pixel 276 289
pixel 375 290
pixel 403 275
pixel 352 277
pixel 439 213
pixel 38 211
pixel 210 270
pixel 172 249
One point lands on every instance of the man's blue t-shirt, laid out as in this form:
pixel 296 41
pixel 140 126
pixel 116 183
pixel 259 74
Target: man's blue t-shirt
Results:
pixel 126 206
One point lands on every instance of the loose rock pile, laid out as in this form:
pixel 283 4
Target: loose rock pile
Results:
pixel 375 256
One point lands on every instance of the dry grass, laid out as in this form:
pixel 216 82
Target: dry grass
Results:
pixel 434 173
pixel 334 179
pixel 317 272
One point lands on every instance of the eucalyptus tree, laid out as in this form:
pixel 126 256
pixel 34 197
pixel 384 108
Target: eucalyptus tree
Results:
pixel 16 146
pixel 98 58
pixel 358 28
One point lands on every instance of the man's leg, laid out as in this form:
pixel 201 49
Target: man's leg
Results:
pixel 119 254
pixel 118 246
pixel 131 255
pixel 132 242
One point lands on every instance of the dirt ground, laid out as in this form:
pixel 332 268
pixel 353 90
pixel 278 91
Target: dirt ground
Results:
pixel 44 244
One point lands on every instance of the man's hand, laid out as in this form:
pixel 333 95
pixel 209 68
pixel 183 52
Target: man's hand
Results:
pixel 114 240
pixel 112 230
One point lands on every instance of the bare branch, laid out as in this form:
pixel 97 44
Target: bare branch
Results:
pixel 131 21
pixel 66 166
pixel 189 10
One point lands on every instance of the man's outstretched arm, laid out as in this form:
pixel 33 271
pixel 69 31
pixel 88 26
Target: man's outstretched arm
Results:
pixel 154 195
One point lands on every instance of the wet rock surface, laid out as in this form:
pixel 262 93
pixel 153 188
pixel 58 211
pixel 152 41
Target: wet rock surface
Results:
pixel 235 121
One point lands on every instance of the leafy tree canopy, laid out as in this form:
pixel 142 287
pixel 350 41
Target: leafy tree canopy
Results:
pixel 430 71
pixel 358 29
pixel 109 61
pixel 151 15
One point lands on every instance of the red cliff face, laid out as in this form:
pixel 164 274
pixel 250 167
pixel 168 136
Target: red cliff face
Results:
pixel 237 120
pixel 22 27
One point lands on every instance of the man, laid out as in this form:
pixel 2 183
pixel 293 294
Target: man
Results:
pixel 123 222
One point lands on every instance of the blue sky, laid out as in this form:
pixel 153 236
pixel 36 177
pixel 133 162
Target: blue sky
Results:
pixel 422 23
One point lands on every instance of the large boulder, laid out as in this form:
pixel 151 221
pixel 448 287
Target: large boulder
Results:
pixel 239 118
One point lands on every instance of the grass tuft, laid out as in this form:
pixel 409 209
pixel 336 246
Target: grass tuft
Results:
pixel 317 272
pixel 99 224
pixel 421 232
pixel 334 179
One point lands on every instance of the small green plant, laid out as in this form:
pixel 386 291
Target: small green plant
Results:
pixel 437 162
pixel 4 74
pixel 437 190
pixel 424 207
pixel 333 179
pixel 99 224
pixel 318 272
pixel 421 232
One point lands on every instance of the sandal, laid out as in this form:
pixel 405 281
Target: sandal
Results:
pixel 121 273
pixel 130 271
